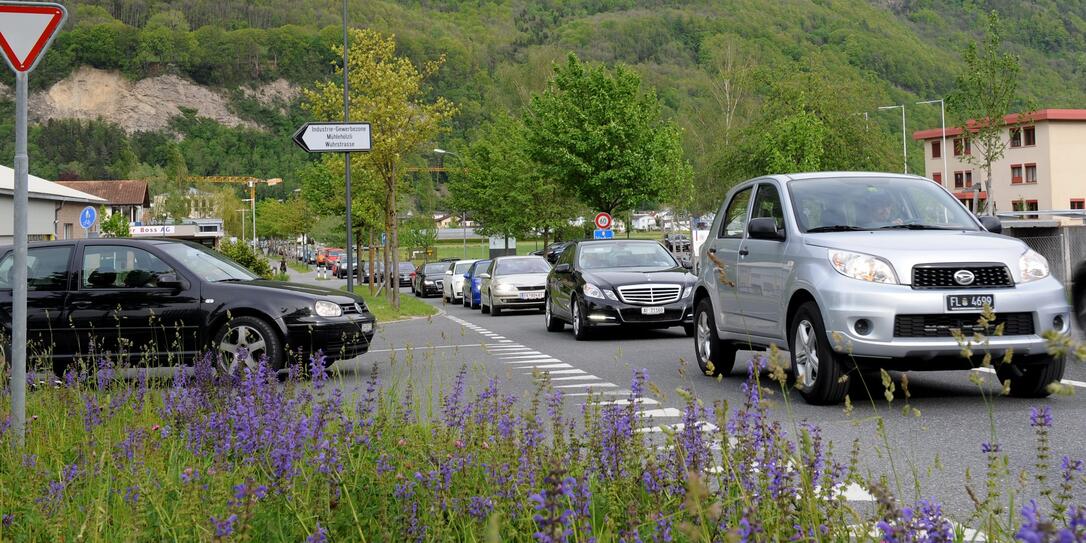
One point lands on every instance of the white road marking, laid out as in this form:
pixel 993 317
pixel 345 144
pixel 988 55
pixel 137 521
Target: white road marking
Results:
pixel 856 493
pixel 525 354
pixel 560 372
pixel 424 347
pixel 590 386
pixel 639 401
pixel 665 412
pixel 541 359
pixel 678 427
pixel 575 378
pixel 1080 384
pixel 544 367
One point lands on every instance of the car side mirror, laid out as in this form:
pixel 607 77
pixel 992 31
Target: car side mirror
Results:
pixel 686 263
pixel 562 268
pixel 448 272
pixel 169 280
pixel 764 228
pixel 552 258
pixel 992 224
pixel 483 275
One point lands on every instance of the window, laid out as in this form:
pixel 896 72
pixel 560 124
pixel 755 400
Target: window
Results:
pixel 936 149
pixel 118 267
pixel 768 204
pixel 1031 205
pixel 735 217
pixel 1016 173
pixel 963 179
pixel 1030 134
pixel 1078 203
pixel 937 177
pixel 961 145
pixel 1031 173
pixel 46 269
pixel 1016 137
pixel 67 230
pixel 969 178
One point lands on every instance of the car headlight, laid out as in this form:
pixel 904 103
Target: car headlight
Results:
pixel 863 267
pixel 592 291
pixel 505 288
pixel 327 309
pixel 687 292
pixel 1032 266
pixel 428 283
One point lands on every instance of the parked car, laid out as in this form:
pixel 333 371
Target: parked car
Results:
pixel 472 282
pixel 406 271
pixel 677 243
pixel 552 251
pixel 161 301
pixel 1078 294
pixel 853 271
pixel 513 282
pixel 378 271
pixel 429 279
pixel 453 286
pixel 628 282
pixel 339 268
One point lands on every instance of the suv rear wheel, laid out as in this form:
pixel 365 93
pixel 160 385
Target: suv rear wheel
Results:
pixel 818 369
pixel 1031 381
pixel 715 356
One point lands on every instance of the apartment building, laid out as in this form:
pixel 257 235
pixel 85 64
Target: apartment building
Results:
pixel 1043 167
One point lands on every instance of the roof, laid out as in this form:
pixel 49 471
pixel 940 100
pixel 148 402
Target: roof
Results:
pixel 121 193
pixel 1013 118
pixel 42 189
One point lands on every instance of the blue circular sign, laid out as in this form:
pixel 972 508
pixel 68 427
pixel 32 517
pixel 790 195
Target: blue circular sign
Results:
pixel 87 217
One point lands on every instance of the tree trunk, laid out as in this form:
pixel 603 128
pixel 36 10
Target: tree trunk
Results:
pixel 370 282
pixel 394 240
pixel 990 206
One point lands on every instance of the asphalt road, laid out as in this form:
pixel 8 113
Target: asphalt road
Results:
pixel 922 456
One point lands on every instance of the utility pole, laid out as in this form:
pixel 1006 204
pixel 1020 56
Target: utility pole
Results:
pixel 347 155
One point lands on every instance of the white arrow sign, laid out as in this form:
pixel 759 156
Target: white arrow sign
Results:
pixel 333 137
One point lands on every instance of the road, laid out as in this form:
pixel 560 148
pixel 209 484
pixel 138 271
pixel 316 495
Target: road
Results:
pixel 925 455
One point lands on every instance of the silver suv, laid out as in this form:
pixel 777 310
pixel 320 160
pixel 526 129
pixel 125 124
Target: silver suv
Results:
pixel 853 271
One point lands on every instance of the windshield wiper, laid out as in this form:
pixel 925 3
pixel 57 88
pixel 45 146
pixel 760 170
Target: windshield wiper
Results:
pixel 835 228
pixel 230 279
pixel 917 227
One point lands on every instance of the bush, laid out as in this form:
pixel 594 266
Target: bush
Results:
pixel 243 254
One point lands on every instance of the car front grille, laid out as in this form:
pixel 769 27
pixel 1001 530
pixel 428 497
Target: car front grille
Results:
pixel 942 276
pixel 940 325
pixel 350 309
pixel 531 288
pixel 650 294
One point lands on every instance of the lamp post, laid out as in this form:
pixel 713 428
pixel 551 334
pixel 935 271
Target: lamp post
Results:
pixel 305 234
pixel 904 149
pixel 463 215
pixel 243 210
pixel 942 124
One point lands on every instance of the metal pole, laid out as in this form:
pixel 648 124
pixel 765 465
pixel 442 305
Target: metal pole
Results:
pixel 942 121
pixel 18 324
pixel 347 156
pixel 464 231
pixel 904 148
pixel 252 204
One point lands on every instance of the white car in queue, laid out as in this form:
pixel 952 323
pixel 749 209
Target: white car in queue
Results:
pixel 453 287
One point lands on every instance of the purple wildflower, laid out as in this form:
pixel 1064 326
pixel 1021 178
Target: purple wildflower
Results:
pixel 225 527
pixel 1040 418
pixel 319 535
pixel 479 507
pixel 7 520
pixel 990 448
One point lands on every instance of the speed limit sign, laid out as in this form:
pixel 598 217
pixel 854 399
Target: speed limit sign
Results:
pixel 603 221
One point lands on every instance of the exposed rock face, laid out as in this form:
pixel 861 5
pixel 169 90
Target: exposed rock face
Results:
pixel 145 105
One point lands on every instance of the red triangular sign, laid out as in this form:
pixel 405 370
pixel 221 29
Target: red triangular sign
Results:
pixel 26 30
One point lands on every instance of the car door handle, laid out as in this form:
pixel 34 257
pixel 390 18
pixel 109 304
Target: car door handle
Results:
pixel 81 303
pixel 743 252
pixel 712 250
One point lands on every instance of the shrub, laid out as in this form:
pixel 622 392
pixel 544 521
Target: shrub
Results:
pixel 243 254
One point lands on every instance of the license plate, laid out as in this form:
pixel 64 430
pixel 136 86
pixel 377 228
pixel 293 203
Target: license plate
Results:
pixel 969 302
pixel 531 295
pixel 652 311
pixel 366 326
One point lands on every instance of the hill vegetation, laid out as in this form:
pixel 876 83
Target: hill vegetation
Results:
pixel 718 67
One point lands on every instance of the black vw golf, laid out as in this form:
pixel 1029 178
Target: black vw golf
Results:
pixel 627 282
pixel 166 301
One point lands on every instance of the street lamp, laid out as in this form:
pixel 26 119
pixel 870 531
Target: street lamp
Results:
pixel 942 124
pixel 243 210
pixel 904 149
pixel 252 206
pixel 305 234
pixel 463 215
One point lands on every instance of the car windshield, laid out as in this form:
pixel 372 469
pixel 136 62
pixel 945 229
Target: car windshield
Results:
pixel 435 269
pixel 480 266
pixel 406 267
pixel 624 254
pixel 208 264
pixel 511 266
pixel 462 267
pixel 847 204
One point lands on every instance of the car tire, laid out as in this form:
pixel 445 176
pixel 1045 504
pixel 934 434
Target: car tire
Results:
pixel 580 324
pixel 247 331
pixel 467 300
pixel 819 371
pixel 690 330
pixel 1031 381
pixel 554 324
pixel 708 347
pixel 495 310
pixel 482 304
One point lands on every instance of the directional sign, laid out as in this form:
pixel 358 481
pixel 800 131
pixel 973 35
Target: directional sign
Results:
pixel 87 217
pixel 26 30
pixel 603 221
pixel 384 239
pixel 333 137
pixel 603 234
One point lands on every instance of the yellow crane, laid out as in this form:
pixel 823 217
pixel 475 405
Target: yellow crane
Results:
pixel 240 180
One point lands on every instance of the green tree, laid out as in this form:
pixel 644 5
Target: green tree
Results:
pixel 420 233
pixel 165 42
pixel 984 94
pixel 389 92
pixel 603 138
pixel 116 226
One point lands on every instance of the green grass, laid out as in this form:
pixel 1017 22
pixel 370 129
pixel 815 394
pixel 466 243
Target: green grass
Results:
pixel 379 306
pixel 297 266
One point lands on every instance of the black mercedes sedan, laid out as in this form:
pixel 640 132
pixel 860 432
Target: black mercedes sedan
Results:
pixel 163 302
pixel 618 282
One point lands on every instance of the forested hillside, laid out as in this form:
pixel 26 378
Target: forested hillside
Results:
pixel 717 66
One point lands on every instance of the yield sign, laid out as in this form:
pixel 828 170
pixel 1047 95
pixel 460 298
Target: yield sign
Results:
pixel 26 30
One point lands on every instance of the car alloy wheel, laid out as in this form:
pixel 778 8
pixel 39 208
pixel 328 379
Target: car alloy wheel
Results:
pixel 821 374
pixel 553 324
pixel 704 336
pixel 806 349
pixel 243 341
pixel 580 329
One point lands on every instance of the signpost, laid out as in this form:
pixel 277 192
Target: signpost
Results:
pixel 26 30
pixel 603 220
pixel 343 138
pixel 87 218
pixel 603 234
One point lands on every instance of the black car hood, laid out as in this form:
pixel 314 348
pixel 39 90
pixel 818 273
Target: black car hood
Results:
pixel 307 291
pixel 639 276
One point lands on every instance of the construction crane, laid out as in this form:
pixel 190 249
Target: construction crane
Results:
pixel 240 180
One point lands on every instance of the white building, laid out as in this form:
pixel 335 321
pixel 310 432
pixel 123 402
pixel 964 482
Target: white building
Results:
pixel 45 201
